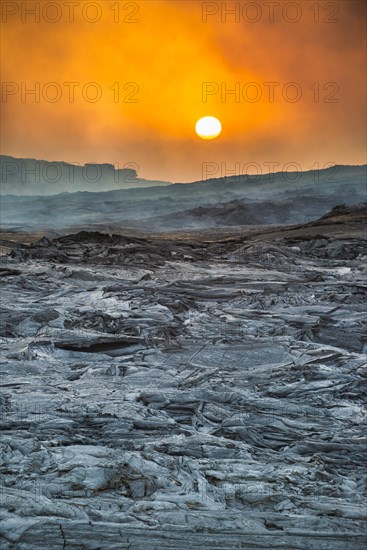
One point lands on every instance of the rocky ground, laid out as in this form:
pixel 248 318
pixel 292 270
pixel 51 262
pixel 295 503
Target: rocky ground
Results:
pixel 203 393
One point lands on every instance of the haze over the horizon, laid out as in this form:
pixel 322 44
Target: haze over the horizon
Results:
pixel 161 54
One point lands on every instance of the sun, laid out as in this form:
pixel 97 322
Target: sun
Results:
pixel 208 127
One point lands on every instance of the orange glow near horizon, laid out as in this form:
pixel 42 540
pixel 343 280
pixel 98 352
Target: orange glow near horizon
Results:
pixel 163 68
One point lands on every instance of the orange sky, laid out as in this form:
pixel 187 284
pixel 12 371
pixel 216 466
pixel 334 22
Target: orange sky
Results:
pixel 168 52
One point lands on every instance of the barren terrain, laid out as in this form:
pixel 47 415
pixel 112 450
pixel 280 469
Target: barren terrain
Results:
pixel 202 389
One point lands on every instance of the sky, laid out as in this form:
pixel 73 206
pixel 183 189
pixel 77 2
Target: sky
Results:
pixel 125 82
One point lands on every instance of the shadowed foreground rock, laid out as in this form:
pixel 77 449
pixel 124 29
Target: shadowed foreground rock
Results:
pixel 165 394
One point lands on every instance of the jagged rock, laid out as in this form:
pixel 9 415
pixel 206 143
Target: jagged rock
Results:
pixel 213 403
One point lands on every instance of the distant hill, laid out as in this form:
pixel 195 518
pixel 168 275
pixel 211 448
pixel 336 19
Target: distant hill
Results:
pixel 23 176
pixel 239 200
